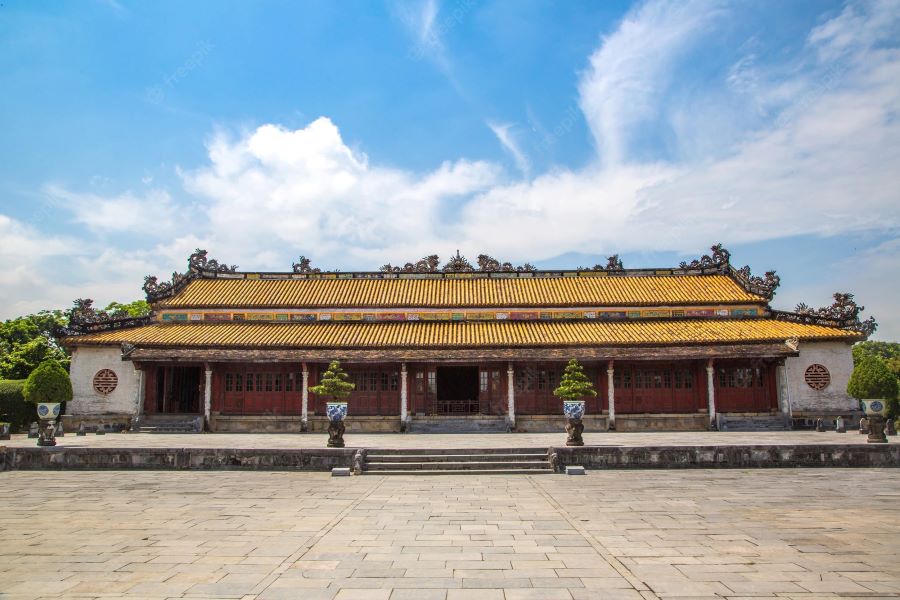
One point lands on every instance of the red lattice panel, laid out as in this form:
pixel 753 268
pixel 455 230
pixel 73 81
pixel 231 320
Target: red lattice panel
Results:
pixel 105 381
pixel 817 377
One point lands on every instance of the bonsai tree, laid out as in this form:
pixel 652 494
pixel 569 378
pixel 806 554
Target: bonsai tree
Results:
pixel 335 383
pixel 871 378
pixel 574 384
pixel 49 382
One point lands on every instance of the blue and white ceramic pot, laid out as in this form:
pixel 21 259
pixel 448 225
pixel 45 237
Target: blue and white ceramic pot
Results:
pixel 573 409
pixel 336 410
pixel 874 407
pixel 48 410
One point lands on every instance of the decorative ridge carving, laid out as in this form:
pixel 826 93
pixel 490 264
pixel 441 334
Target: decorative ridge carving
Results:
pixel 489 264
pixel 84 318
pixel 428 264
pixel 613 263
pixel 842 314
pixel 458 263
pixel 719 259
pixel 303 266
pixel 198 266
pixel 198 263
pixel 761 286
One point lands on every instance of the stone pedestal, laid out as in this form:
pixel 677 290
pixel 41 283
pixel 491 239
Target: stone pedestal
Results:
pixel 876 430
pixel 46 433
pixel 574 429
pixel 336 434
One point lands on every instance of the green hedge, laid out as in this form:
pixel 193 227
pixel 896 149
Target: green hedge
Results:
pixel 13 405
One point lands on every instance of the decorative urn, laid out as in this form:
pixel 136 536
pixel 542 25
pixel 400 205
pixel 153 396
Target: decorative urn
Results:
pixel 574 410
pixel 48 410
pixel 874 407
pixel 876 411
pixel 336 412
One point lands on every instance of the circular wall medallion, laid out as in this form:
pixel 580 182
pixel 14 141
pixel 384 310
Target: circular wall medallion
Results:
pixel 817 377
pixel 105 381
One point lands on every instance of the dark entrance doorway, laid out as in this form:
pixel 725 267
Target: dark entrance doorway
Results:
pixel 178 390
pixel 457 391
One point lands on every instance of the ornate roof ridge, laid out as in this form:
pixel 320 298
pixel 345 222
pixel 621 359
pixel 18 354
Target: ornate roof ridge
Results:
pixel 458 267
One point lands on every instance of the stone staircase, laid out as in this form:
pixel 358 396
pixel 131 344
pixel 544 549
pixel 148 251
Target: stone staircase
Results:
pixel 168 424
pixel 473 461
pixel 763 422
pixel 471 424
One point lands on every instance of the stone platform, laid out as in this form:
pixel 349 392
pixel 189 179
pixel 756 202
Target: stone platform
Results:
pixel 307 452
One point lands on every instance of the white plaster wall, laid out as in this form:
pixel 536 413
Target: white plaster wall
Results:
pixel 86 361
pixel 837 358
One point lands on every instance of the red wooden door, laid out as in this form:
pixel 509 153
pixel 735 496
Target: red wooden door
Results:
pixel 743 388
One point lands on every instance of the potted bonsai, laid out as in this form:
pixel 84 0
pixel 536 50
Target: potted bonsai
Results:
pixel 873 384
pixel 573 387
pixel 48 386
pixel 335 384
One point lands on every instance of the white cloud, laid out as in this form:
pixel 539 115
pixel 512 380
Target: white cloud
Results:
pixel 308 191
pixel 633 68
pixel 124 212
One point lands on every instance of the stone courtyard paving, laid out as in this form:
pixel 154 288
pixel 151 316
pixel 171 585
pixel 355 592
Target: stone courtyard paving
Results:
pixel 618 535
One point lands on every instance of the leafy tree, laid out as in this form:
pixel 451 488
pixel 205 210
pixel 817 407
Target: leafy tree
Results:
pixel 883 350
pixel 335 382
pixel 49 382
pixel 24 358
pixel 138 308
pixel 871 378
pixel 13 407
pixel 574 384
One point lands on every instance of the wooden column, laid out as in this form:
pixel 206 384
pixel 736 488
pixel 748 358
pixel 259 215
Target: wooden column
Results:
pixel 611 395
pixel 511 395
pixel 207 397
pixel 304 406
pixel 404 399
pixel 711 392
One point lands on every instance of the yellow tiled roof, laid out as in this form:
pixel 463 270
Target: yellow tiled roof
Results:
pixel 462 293
pixel 463 334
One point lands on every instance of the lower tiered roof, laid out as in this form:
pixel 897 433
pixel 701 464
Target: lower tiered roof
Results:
pixel 463 334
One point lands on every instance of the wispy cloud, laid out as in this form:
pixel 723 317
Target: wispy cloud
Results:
pixel 509 143
pixel 633 67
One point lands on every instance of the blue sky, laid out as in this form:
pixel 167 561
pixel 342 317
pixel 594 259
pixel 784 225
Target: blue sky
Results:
pixel 359 133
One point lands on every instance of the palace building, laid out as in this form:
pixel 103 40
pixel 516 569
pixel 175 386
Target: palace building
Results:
pixel 482 346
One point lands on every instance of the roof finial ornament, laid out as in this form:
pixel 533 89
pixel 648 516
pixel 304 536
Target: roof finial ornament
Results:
pixel 303 266
pixel 720 258
pixel 458 263
pixel 843 313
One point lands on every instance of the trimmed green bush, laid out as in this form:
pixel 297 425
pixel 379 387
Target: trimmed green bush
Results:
pixel 872 379
pixel 49 382
pixel 12 404
pixel 574 384
pixel 334 382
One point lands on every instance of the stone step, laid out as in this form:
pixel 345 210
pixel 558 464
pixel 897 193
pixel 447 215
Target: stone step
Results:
pixel 457 465
pixel 456 451
pixel 422 458
pixel 475 424
pixel 480 471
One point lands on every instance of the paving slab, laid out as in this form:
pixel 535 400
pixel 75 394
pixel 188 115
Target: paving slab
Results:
pixel 628 534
